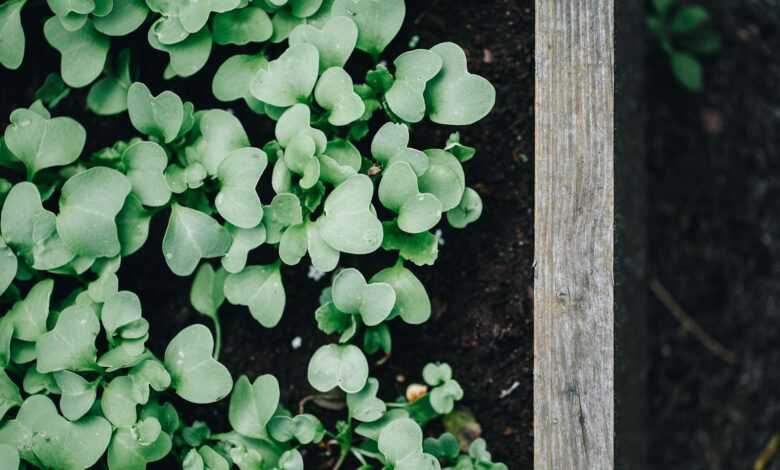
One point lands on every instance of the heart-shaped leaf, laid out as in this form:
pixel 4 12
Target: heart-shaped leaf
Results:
pixel 191 236
pixel 413 70
pixel 89 204
pixel 232 80
pixel 196 376
pixel 304 428
pixel 335 94
pixel 78 395
pixel 372 430
pixel 304 8
pixel 342 366
pixel 220 134
pixel 400 439
pixel 145 163
pixel 83 51
pixel 71 344
pixel 444 179
pixel 388 141
pixel 436 374
pixel 443 398
pixel 8 266
pixel 446 447
pixel 29 316
pixel 378 21
pixel 135 447
pixel 22 205
pixel 285 210
pixel 72 13
pixel 260 288
pixel 335 41
pixel 108 96
pixel 293 245
pixel 125 17
pixel 365 406
pixel 348 225
pixel 295 121
pixel 41 142
pixel 455 96
pixel 239 174
pixel 290 79
pixel 468 211
pixel 207 294
pixel 43 436
pixel 121 309
pixel 253 404
pixel 242 26
pixel 49 251
pixel 188 56
pixel 244 241
pixel 323 256
pixel 11 34
pixel 160 116
pixel 351 294
pixel 412 302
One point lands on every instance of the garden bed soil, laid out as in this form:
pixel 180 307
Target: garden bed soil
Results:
pixel 481 287
pixel 714 244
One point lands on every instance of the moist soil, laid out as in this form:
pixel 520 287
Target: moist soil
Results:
pixel 480 287
pixel 714 244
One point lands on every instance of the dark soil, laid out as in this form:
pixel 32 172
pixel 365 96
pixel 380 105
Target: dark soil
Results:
pixel 481 286
pixel 714 234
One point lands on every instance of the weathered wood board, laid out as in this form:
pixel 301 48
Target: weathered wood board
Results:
pixel 574 212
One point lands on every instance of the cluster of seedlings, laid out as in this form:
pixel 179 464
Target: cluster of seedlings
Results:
pixel 78 385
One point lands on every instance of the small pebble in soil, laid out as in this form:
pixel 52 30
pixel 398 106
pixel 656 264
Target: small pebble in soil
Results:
pixel 439 236
pixel 415 391
pixel 296 342
pixel 414 41
pixel 315 274
pixel 400 378
pixel 487 56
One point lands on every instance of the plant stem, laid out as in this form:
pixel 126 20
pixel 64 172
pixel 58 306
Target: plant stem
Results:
pixel 217 336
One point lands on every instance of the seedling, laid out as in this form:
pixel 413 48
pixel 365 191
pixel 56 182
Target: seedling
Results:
pixel 686 36
pixel 79 386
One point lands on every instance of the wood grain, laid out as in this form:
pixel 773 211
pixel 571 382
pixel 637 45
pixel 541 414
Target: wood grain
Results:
pixel 574 193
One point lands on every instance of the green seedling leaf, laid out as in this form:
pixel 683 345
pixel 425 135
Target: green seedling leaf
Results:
pixel 253 404
pixel 351 294
pixel 242 26
pixel 340 161
pixel 304 428
pixel 335 41
pixel 232 80
pixel 468 211
pixel 220 134
pixel 10 457
pixel 349 225
pixel 84 51
pixel 342 366
pixel 331 320
pixel 284 23
pixel 400 439
pixel 444 179
pixel 188 56
pixel 412 302
pixel 293 244
pixel 687 70
pixel 89 204
pixel 377 339
pixel 73 14
pixel 413 70
pixel 49 251
pixel 420 248
pixel 45 438
pixel 133 225
pixel 244 241
pixel 323 256
pixel 71 344
pixel 443 398
pixel 78 395
pixel 120 310
pixel 260 288
pixel 125 17
pixel 417 212
pixel 284 211
pixel 159 116
pixel 239 174
pixel 390 140
pixel 373 429
pixel 11 34
pixel 186 15
pixel 53 91
pixel 8 266
pixel 120 399
pixel 145 164
pixel 10 397
pixel 42 142
pixel 29 316
pixel 462 152
pixel 365 406
pixel 437 374
pixel 689 18
pixel 378 21
pixel 197 377
pixel 206 294
pixel 136 446
pixel 335 93
pixel 290 79
pixel 104 287
pixel 191 236
pixel 304 8
pixel 455 96
pixel 295 121
pixel 445 447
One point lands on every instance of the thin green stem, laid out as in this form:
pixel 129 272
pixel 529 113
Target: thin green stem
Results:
pixel 217 336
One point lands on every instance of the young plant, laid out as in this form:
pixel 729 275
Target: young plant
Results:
pixel 91 392
pixel 686 36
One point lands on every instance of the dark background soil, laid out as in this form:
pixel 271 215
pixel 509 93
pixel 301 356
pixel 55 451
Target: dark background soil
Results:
pixel 481 287
pixel 714 243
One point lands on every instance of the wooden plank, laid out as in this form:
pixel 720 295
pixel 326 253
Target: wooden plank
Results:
pixel 573 293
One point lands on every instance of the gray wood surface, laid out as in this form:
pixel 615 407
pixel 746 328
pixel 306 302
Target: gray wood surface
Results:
pixel 573 293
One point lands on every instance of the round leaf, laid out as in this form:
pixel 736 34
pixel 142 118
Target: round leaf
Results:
pixel 11 35
pixel 412 302
pixel 260 288
pixel 253 405
pixel 342 366
pixel 196 376
pixel 335 41
pixel 191 236
pixel 378 21
pixel 83 51
pixel 289 79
